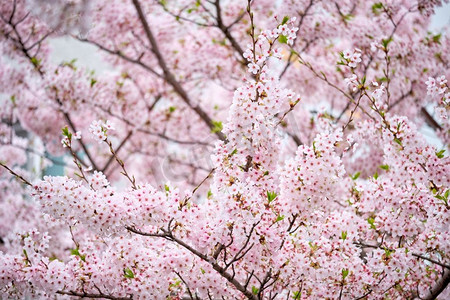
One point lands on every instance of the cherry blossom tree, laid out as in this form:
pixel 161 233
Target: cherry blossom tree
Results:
pixel 236 150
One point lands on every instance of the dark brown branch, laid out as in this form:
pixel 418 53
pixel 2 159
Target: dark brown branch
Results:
pixel 302 18
pixel 226 29
pixel 180 17
pixel 442 264
pixel 439 287
pixel 74 129
pixel 200 184
pixel 15 174
pixel 121 55
pixel 92 296
pixel 161 135
pixel 131 179
pixel 430 120
pixel 187 286
pixel 168 76
pixel 111 158
pixel 244 249
pixel 26 52
pixel 167 234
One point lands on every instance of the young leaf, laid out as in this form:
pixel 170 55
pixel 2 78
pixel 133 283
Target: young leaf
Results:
pixel 271 196
pixel 376 7
pixel 255 290
pixel 128 273
pixel 440 154
pixel 65 131
pixel 76 252
pixel 371 221
pixel 385 167
pixel 398 141
pixel 279 218
pixel 344 273
pixel 356 176
pixel 217 126
pixel 283 39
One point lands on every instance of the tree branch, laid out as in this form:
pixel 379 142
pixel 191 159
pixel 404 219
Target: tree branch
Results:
pixel 168 76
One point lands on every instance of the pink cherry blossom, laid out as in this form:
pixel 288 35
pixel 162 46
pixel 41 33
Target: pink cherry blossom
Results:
pixel 236 150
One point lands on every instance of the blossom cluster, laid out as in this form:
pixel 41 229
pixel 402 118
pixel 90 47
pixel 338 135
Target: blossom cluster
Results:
pixel 436 86
pixel 263 48
pixel 304 180
pixel 352 57
pixel 99 129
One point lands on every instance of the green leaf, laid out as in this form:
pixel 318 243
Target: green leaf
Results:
pixel 177 283
pixel 209 195
pixel 348 17
pixel 36 62
pixel 376 7
pixel 70 64
pixel 371 221
pixel 440 154
pixel 271 196
pixel 296 295
pixel 444 197
pixel 283 39
pixel 375 176
pixel 128 273
pixel 388 252
pixel 217 126
pixel 385 167
pixel 398 141
pixel 234 152
pixel 65 131
pixel 356 176
pixel 385 42
pixel 313 247
pixel 76 252
pixel 285 19
pixel 344 273
pixel 172 109
pixel 437 38
pixel 255 290
pixel 279 218
pixel 344 235
pixel 167 188
pixel 93 81
pixel 203 271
